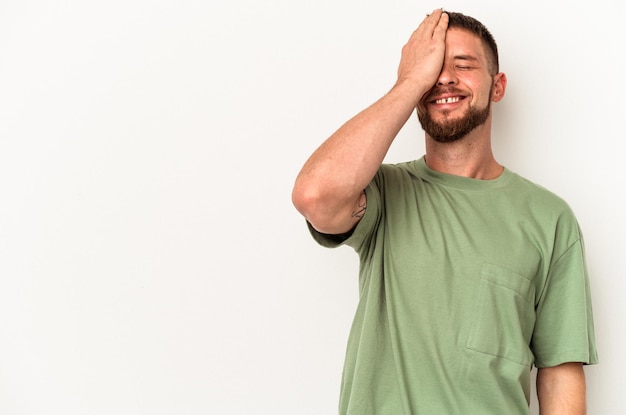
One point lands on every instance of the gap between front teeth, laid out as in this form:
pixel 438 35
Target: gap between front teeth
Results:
pixel 447 100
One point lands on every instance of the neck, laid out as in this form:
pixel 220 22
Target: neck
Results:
pixel 471 156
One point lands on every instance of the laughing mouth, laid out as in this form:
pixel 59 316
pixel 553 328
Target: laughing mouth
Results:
pixel 449 100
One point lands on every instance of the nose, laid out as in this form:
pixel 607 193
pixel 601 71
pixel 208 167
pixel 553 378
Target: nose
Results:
pixel 447 76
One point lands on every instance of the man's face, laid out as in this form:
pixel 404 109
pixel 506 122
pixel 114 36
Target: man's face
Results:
pixel 460 101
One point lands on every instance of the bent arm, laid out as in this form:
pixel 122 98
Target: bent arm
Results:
pixel 329 191
pixel 561 390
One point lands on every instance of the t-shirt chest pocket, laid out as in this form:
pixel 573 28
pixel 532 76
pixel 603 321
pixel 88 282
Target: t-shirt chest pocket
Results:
pixel 503 316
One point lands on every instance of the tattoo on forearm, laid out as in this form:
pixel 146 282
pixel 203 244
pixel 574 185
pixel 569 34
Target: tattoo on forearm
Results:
pixel 362 206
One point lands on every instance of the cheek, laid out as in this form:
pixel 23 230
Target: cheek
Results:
pixel 481 87
pixel 482 97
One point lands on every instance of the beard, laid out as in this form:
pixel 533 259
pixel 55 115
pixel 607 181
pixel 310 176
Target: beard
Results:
pixel 448 131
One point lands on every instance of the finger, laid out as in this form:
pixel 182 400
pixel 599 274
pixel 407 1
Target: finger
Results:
pixel 433 18
pixel 437 13
pixel 430 23
pixel 442 26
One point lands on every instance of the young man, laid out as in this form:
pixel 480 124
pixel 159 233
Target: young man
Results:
pixel 469 274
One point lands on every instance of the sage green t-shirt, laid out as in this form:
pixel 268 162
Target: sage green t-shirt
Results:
pixel 464 285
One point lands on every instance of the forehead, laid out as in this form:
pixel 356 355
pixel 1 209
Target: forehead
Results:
pixel 460 42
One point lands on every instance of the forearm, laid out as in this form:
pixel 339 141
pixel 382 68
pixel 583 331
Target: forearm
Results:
pixel 347 161
pixel 561 390
pixel 340 169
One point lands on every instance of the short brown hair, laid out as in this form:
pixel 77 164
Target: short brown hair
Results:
pixel 461 21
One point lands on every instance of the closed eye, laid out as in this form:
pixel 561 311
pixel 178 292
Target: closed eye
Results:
pixel 466 62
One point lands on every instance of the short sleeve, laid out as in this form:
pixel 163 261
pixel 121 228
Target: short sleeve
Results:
pixel 363 230
pixel 564 328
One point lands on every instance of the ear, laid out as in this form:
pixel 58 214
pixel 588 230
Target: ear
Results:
pixel 499 87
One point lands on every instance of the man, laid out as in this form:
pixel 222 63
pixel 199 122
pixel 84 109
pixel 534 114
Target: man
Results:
pixel 469 274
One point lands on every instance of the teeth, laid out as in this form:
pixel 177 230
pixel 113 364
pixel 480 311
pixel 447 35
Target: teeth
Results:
pixel 448 100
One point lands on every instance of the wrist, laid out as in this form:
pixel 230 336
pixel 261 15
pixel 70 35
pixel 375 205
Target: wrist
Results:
pixel 410 90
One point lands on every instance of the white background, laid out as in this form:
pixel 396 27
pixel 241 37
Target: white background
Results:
pixel 151 261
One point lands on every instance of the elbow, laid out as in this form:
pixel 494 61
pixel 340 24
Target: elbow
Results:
pixel 305 200
pixel 322 211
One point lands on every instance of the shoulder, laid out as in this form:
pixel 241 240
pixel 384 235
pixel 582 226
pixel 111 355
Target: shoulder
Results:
pixel 539 195
pixel 547 208
pixel 396 173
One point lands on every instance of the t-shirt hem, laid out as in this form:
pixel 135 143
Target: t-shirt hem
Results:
pixel 568 357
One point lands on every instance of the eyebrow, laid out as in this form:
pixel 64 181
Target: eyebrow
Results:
pixel 467 58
